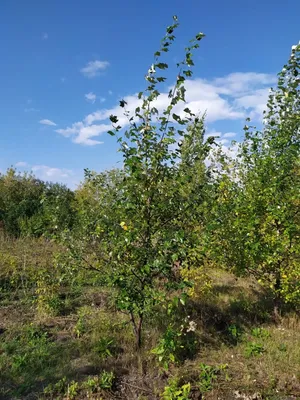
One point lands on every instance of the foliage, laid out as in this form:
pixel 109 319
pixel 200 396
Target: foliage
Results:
pixel 92 385
pixel 104 347
pixel 145 226
pixel 208 375
pixel 176 344
pixel 175 392
pixel 106 380
pixel 29 354
pixel 235 332
pixel 30 207
pixel 168 347
pixel 254 349
pixel 19 200
pixel 256 227
pixel 260 333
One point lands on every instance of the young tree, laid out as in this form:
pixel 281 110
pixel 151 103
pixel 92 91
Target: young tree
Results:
pixel 58 209
pixel 145 229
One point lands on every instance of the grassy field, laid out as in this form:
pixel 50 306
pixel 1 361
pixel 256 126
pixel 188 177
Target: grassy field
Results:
pixel 61 338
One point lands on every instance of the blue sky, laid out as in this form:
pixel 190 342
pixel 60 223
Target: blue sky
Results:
pixel 65 64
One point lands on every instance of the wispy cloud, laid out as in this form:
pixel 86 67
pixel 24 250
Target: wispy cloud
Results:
pixel 232 97
pixel 69 177
pixel 110 92
pixel 21 164
pixel 51 172
pixel 47 122
pixel 91 97
pixel 63 79
pixel 94 68
pixel 45 36
pixel 229 135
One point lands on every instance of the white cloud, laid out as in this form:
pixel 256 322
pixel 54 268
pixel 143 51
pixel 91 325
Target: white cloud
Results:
pixel 82 133
pixel 232 97
pixel 102 99
pixel 44 172
pixel 93 68
pixel 45 36
pixel 255 102
pixel 239 83
pixel 21 164
pixel 229 135
pixel 51 172
pixel 91 97
pixel 47 122
pixel 222 138
pixel 110 92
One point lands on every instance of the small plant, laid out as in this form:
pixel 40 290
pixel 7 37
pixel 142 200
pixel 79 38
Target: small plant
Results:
pixel 81 325
pixel 176 344
pixel 59 387
pixel 106 380
pixel 235 332
pixel 104 347
pixel 260 333
pixel 91 384
pixel 167 348
pixel 282 347
pixel 254 349
pixel 72 390
pixel 175 392
pixel 208 375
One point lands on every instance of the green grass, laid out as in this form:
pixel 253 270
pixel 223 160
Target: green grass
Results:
pixel 81 346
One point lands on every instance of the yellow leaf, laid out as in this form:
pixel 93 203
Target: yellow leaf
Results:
pixel 124 226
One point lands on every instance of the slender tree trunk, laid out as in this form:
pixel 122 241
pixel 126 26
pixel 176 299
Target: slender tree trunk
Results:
pixel 137 329
pixel 277 299
pixel 139 333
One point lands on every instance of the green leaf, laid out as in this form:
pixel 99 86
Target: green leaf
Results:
pixel 161 65
pixel 113 119
pixel 200 36
pixel 122 103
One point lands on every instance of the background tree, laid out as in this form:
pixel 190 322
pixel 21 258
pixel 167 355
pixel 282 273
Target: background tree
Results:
pixel 256 225
pixel 19 200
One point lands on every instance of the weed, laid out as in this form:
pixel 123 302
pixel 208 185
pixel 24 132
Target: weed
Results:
pixel 72 390
pixel 235 332
pixel 91 384
pixel 282 347
pixel 59 387
pixel 254 349
pixel 260 333
pixel 175 392
pixel 106 380
pixel 208 375
pixel 104 347
pixel 81 325
pixel 168 347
